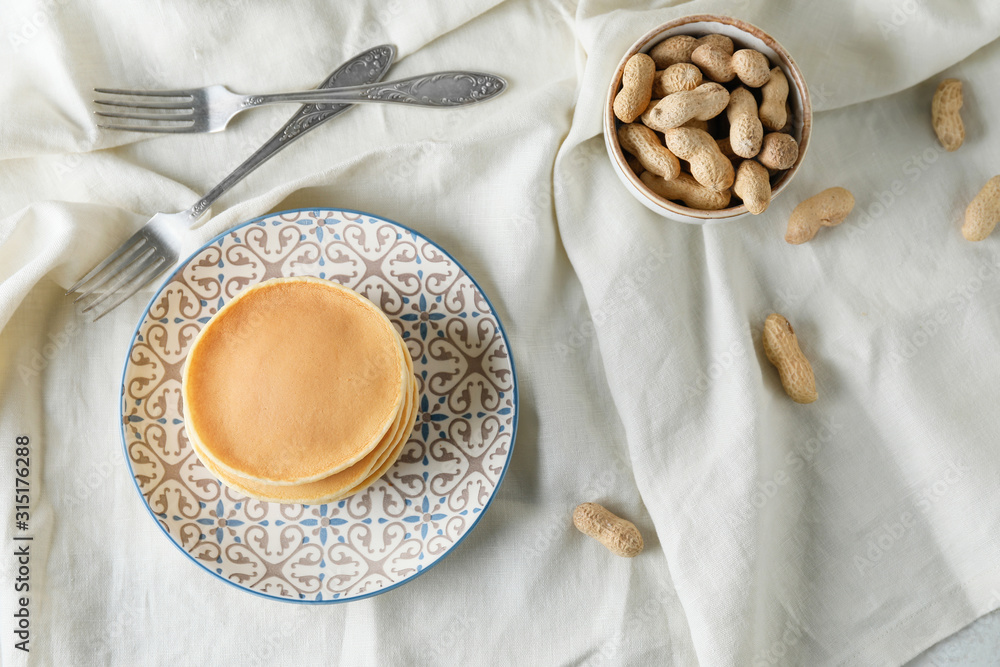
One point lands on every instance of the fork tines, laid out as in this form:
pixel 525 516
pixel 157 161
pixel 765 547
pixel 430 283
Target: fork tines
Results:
pixel 122 274
pixel 177 114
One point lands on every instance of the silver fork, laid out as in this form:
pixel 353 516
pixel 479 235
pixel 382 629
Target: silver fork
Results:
pixel 156 247
pixel 210 109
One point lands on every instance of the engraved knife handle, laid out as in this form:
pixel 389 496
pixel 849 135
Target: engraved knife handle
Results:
pixel 439 89
pixel 365 69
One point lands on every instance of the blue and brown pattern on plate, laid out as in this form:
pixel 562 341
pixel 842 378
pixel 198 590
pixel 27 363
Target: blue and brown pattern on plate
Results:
pixel 445 477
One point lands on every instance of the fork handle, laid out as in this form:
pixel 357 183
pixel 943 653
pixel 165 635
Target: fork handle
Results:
pixel 439 89
pixel 368 66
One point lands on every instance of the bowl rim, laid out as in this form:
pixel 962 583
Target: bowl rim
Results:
pixel 787 63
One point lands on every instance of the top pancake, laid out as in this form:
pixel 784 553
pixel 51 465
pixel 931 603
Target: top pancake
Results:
pixel 293 380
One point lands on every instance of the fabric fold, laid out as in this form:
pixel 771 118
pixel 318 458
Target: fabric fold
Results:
pixel 857 530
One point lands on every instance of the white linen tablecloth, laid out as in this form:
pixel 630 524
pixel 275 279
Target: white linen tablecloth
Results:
pixel 858 530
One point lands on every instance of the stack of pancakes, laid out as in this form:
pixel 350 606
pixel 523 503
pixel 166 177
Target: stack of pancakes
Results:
pixel 299 390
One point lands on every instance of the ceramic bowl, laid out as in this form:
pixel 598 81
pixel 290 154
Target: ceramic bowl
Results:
pixel 744 35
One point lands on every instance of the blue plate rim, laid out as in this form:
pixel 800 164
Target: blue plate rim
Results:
pixel 489 501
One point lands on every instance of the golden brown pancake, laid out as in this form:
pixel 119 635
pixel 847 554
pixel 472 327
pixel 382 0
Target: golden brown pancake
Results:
pixel 387 458
pixel 338 485
pixel 342 480
pixel 292 381
pixel 381 469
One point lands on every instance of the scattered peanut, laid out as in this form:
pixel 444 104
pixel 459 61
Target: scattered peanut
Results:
pixel 752 67
pixel 708 165
pixel 673 50
pixel 619 535
pixel 704 102
pixel 778 151
pixel 677 77
pixel 774 94
pixel 753 186
pixel 637 88
pixel 782 349
pixel 745 129
pixel 687 190
pixel 827 209
pixel 643 143
pixel 714 62
pixel 945 114
pixel 983 212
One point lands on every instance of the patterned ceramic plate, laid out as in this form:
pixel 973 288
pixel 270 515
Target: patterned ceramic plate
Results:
pixel 429 500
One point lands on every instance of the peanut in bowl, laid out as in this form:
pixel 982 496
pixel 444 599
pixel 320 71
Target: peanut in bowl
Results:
pixel 693 158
